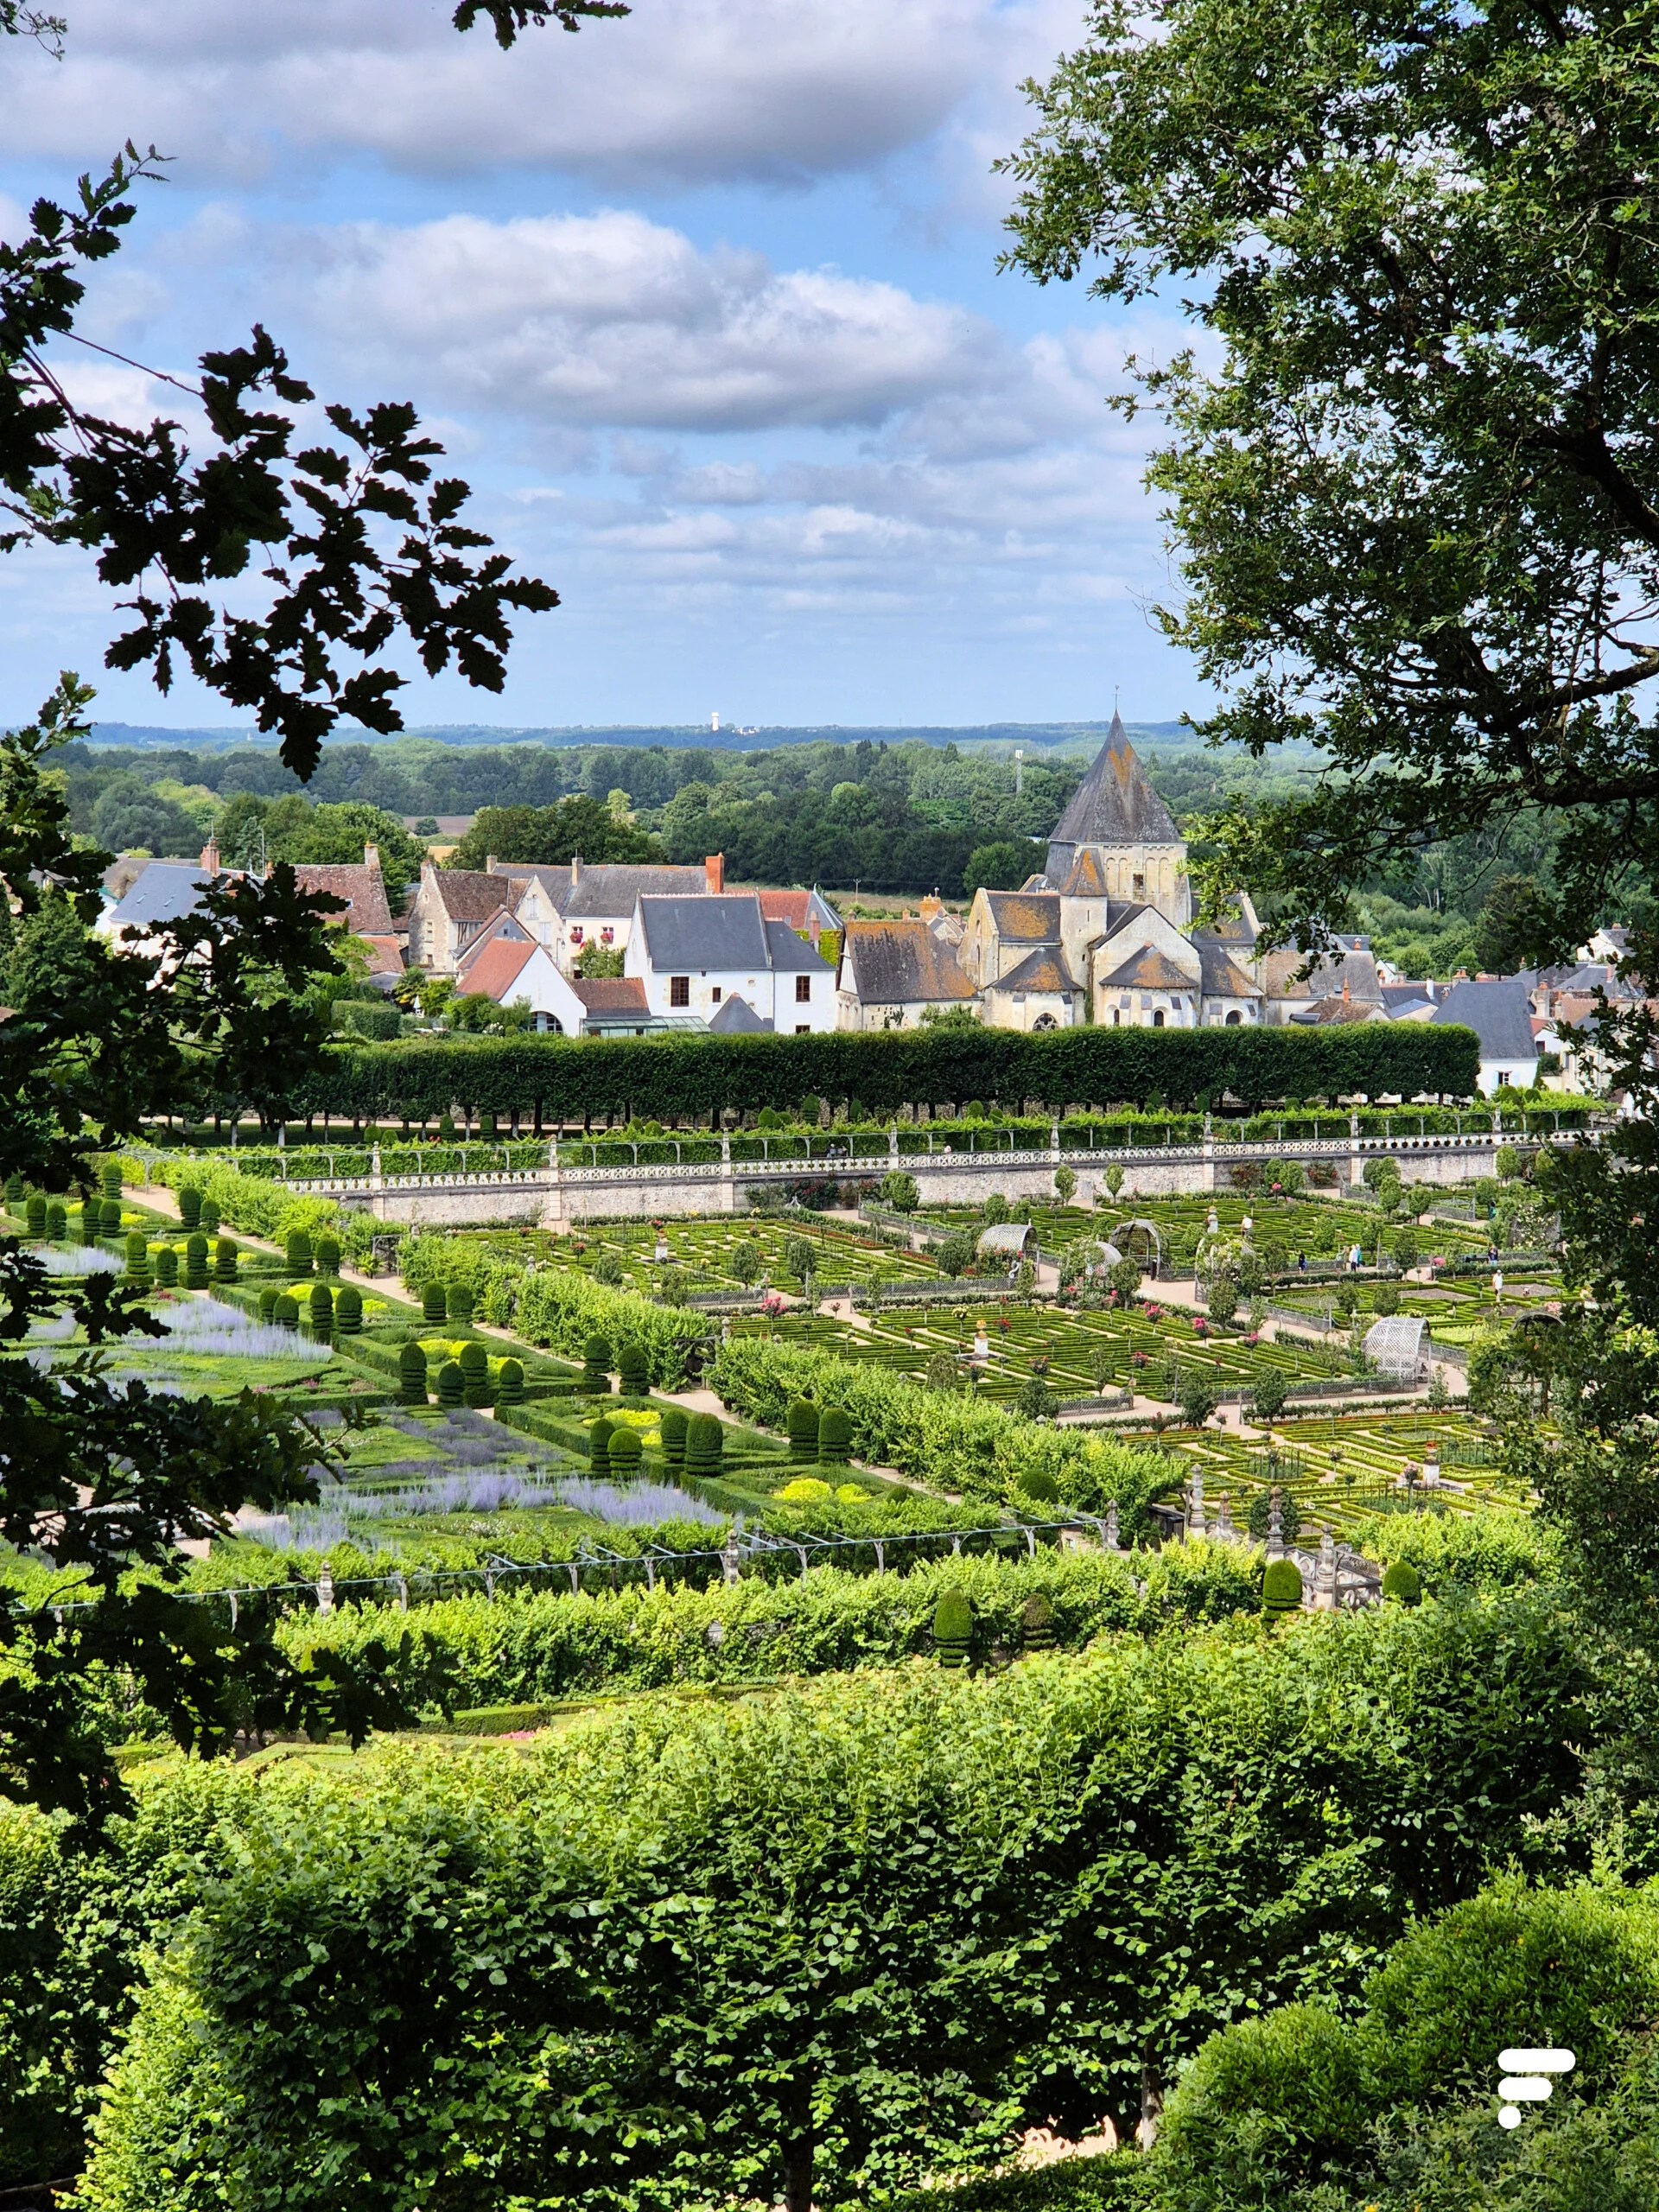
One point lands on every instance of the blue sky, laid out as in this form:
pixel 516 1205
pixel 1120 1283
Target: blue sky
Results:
pixel 703 303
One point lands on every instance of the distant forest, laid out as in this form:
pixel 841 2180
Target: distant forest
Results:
pixel 903 817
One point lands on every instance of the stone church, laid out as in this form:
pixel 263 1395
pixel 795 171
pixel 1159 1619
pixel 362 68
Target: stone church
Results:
pixel 1104 935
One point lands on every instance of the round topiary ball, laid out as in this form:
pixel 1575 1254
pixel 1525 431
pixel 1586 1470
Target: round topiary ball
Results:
pixel 348 1310
pixel 674 1424
pixel 510 1383
pixel 412 1376
pixel 1281 1587
pixel 953 1627
pixel 704 1444
pixel 1401 1582
pixel 625 1451
pixel 432 1303
pixel 633 1371
pixel 599 1446
pixel 802 1422
pixel 835 1437
pixel 596 1365
pixel 476 1373
pixel 1036 1483
pixel 1037 1622
pixel 452 1384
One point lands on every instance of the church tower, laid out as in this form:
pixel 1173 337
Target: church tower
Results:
pixel 1118 840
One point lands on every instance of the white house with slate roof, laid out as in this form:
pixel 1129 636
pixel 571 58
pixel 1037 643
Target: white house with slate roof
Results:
pixel 569 908
pixel 1499 1012
pixel 695 955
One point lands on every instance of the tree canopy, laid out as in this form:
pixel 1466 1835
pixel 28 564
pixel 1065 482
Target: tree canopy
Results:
pixel 552 836
pixel 1414 503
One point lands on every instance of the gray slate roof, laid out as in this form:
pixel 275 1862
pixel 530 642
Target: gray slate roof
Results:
pixel 737 1018
pixel 791 954
pixel 611 890
pixel 694 935
pixel 1220 975
pixel 1498 1012
pixel 165 892
pixel 1115 803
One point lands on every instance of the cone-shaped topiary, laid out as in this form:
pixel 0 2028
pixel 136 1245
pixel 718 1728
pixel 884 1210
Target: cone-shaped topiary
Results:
pixel 476 1373
pixel 348 1310
pixel 953 1627
pixel 1281 1587
pixel 165 1260
pixel 599 1444
pixel 627 1453
pixel 510 1383
pixel 34 1213
pixel 458 1303
pixel 705 1441
pixel 327 1251
pixel 673 1428
pixel 835 1437
pixel 1037 1622
pixel 432 1305
pixel 321 1309
pixel 112 1179
pixel 299 1253
pixel 596 1365
pixel 225 1260
pixel 412 1376
pixel 268 1297
pixel 633 1371
pixel 1401 1582
pixel 57 1220
pixel 452 1384
pixel 109 1214
pixel 195 1262
pixel 210 1217
pixel 286 1312
pixel 190 1206
pixel 137 1257
pixel 15 1192
pixel 91 1220
pixel 802 1421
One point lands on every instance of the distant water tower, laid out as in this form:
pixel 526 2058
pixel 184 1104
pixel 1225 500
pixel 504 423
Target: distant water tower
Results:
pixel 714 724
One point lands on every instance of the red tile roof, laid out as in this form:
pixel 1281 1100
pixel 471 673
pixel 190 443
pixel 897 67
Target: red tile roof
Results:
pixel 496 969
pixel 610 993
pixel 362 889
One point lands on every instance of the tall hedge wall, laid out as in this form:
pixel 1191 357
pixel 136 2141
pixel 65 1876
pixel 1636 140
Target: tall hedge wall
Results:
pixel 673 1079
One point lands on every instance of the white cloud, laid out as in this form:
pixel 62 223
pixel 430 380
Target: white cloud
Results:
pixel 682 90
pixel 614 319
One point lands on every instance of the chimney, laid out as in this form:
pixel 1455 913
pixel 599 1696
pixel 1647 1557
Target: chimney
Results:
pixel 1345 991
pixel 932 906
pixel 713 872
pixel 575 869
pixel 489 864
pixel 209 857
pixel 371 856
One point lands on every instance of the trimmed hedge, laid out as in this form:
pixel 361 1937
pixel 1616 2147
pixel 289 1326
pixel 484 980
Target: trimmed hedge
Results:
pixel 677 1078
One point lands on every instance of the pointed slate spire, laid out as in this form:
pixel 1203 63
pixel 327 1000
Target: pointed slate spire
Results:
pixel 1115 803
